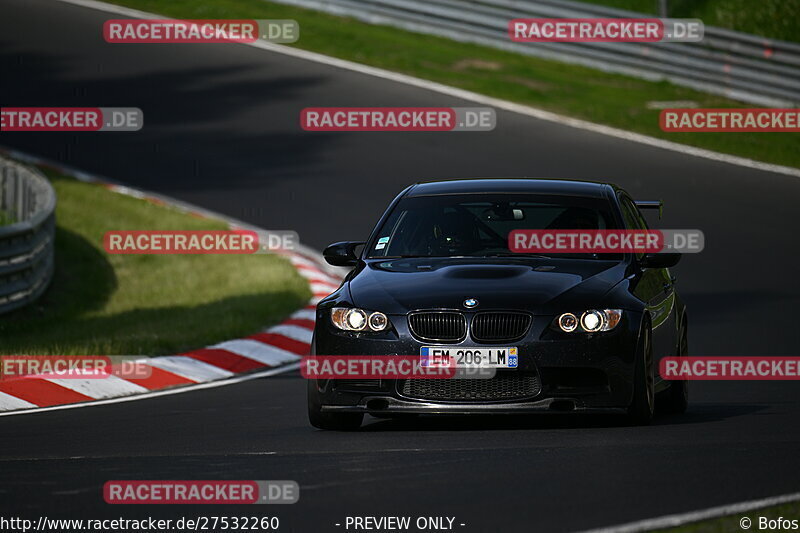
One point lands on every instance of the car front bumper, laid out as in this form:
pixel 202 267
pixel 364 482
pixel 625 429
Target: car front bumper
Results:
pixel 581 372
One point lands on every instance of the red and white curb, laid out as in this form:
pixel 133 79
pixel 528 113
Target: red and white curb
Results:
pixel 276 349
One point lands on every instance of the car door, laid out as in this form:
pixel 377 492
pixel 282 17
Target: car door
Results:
pixel 655 287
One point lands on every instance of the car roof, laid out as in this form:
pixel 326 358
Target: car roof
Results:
pixel 587 189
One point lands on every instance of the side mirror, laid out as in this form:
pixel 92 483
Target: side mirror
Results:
pixel 342 253
pixel 659 260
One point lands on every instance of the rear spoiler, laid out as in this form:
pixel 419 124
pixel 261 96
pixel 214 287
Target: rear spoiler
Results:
pixel 651 204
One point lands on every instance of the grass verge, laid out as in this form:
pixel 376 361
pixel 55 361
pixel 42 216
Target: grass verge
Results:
pixel 571 90
pixel 144 304
pixel 6 219
pixel 728 524
pixel 776 19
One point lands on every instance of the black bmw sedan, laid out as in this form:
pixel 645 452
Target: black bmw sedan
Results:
pixel 580 332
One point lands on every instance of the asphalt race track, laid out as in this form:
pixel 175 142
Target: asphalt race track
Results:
pixel 222 131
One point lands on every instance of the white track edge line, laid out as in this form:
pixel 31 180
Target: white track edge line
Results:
pixel 475 97
pixel 680 519
pixel 166 392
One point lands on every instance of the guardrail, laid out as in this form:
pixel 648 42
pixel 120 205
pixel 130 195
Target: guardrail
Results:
pixel 27 234
pixel 737 65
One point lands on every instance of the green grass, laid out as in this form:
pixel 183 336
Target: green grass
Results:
pixel 102 304
pixel 6 219
pixel 728 524
pixel 575 91
pixel 778 19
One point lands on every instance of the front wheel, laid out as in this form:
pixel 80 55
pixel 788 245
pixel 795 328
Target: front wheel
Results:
pixel 642 407
pixel 330 421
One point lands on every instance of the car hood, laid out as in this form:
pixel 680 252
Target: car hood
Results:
pixel 541 286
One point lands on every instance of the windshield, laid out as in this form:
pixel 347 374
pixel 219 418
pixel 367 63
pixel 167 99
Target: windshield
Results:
pixel 478 225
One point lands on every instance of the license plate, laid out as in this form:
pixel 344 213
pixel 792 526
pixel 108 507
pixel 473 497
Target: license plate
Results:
pixel 466 357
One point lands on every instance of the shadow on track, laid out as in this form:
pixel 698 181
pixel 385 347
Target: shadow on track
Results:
pixel 700 414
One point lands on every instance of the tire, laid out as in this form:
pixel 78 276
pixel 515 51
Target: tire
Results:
pixel 329 421
pixel 642 407
pixel 677 400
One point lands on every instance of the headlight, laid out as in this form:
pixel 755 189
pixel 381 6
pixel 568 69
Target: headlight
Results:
pixel 355 319
pixel 568 322
pixel 591 321
pixel 378 321
pixel 613 316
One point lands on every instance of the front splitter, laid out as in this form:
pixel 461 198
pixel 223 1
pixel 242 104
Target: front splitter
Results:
pixel 390 405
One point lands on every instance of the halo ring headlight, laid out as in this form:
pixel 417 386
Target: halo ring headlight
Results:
pixel 592 320
pixel 568 322
pixel 356 319
pixel 378 321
